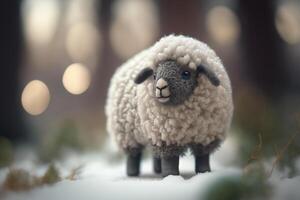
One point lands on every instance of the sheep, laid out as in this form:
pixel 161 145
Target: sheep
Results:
pixel 172 96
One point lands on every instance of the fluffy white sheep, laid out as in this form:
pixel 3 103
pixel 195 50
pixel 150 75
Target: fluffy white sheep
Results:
pixel 188 103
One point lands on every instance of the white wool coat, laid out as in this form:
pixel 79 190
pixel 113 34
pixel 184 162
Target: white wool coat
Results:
pixel 135 117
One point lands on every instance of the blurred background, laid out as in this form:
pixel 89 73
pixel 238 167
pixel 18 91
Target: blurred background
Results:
pixel 57 58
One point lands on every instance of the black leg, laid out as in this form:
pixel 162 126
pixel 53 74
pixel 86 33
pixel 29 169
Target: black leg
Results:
pixel 201 153
pixel 169 155
pixel 170 165
pixel 133 164
pixel 202 163
pixel 157 165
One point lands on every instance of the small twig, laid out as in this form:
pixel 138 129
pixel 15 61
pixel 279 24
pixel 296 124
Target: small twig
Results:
pixel 74 173
pixel 255 155
pixel 276 149
pixel 280 153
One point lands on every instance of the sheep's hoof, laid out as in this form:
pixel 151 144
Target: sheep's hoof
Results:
pixel 157 165
pixel 202 164
pixel 133 164
pixel 170 166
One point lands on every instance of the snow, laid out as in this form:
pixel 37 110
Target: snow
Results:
pixel 284 187
pixel 102 179
pixel 288 188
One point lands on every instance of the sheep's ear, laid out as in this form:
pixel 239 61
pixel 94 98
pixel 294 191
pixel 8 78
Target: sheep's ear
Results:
pixel 143 75
pixel 209 74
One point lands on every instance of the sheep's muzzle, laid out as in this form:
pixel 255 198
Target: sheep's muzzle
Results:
pixel 162 91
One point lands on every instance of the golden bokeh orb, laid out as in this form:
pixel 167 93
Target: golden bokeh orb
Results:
pixel 76 78
pixel 35 97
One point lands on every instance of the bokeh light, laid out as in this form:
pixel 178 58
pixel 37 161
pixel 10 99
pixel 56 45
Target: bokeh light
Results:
pixel 76 79
pixel 287 22
pixel 83 40
pixel 35 97
pixel 222 25
pixel 40 20
pixel 80 11
pixel 134 26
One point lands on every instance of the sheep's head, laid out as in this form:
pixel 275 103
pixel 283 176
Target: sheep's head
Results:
pixel 173 83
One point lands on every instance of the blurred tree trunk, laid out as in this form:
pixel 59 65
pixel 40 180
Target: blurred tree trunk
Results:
pixel 273 117
pixel 11 124
pixel 262 46
pixel 109 60
pixel 181 17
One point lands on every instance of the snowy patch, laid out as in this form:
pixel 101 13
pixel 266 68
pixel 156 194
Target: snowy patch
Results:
pixel 100 179
pixel 288 188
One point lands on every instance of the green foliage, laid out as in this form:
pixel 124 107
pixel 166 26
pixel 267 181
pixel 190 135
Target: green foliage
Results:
pixel 66 137
pixel 250 185
pixel 225 188
pixel 6 153
pixel 74 173
pixel 287 154
pixel 254 181
pixel 51 176
pixel 256 114
pixel 18 179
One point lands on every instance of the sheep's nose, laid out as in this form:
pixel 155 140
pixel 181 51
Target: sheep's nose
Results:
pixel 161 83
pixel 162 91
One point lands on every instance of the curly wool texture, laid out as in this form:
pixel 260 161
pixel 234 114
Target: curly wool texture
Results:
pixel 136 118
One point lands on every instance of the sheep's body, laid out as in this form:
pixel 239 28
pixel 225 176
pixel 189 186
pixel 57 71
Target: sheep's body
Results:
pixel 123 122
pixel 136 118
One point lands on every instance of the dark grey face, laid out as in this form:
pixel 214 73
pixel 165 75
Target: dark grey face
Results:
pixel 174 83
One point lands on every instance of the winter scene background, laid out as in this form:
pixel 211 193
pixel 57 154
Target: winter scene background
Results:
pixel 59 55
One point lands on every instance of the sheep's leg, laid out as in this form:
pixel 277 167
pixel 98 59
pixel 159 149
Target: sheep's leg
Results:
pixel 202 163
pixel 201 153
pixel 170 165
pixel 157 164
pixel 133 161
pixel 133 164
pixel 169 155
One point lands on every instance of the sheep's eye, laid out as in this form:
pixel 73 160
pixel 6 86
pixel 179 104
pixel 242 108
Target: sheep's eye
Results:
pixel 186 75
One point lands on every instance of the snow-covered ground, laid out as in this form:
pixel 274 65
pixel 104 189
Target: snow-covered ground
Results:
pixel 100 179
